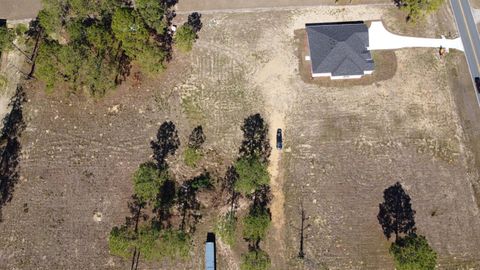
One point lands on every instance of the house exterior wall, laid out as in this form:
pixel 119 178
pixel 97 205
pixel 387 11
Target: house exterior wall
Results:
pixel 368 72
pixel 346 77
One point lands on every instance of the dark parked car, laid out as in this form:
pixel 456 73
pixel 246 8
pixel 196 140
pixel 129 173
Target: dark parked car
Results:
pixel 279 139
pixel 477 84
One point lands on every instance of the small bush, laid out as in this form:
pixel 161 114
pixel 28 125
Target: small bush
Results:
pixel 152 243
pixel 255 260
pixel 226 228
pixel 185 37
pixel 174 244
pixel 192 156
pixel 201 181
pixel 121 241
pixel 256 224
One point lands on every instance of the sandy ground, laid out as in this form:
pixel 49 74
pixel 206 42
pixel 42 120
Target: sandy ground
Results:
pixel 10 69
pixel 343 146
pixel 19 9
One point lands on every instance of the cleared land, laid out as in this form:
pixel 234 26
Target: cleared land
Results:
pixel 19 9
pixel 344 145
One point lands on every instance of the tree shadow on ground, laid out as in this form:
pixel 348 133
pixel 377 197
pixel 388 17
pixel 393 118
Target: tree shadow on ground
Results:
pixel 228 186
pixel 255 138
pixel 396 215
pixel 165 201
pixel 10 148
pixel 188 205
pixel 166 144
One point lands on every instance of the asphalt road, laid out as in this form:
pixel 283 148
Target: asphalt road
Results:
pixel 469 34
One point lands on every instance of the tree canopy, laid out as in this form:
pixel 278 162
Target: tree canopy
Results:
pixel 252 173
pixel 91 44
pixel 256 224
pixel 148 180
pixel 413 253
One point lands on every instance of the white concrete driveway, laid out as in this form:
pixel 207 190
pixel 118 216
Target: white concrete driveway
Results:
pixel 381 39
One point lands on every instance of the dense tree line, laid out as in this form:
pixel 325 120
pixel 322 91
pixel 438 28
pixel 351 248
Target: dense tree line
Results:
pixel 90 44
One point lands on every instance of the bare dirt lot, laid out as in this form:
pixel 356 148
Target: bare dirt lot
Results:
pixel 344 145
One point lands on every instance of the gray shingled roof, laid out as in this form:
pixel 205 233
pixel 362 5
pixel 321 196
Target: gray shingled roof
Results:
pixel 339 48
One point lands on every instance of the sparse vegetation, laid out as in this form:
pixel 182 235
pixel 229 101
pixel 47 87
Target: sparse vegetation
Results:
pixel 255 260
pixel 185 37
pixel 226 228
pixel 192 156
pixel 6 38
pixel 193 153
pixel 187 33
pixel 417 9
pixel 150 242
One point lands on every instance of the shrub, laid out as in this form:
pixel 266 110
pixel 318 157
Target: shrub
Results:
pixel 174 244
pixel 255 260
pixel 121 241
pixel 256 224
pixel 413 253
pixel 6 38
pixel 192 156
pixel 185 37
pixel 226 228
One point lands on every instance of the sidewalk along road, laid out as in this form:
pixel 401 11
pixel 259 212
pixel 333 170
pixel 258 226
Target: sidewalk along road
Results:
pixel 469 34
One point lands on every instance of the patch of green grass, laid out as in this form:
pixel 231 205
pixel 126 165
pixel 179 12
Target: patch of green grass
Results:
pixel 3 83
pixel 191 156
pixel 192 110
pixel 226 228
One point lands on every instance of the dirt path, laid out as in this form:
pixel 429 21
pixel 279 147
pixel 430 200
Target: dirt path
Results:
pixel 274 81
pixel 10 66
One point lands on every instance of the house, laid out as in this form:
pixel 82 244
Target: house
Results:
pixel 339 50
pixel 210 259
